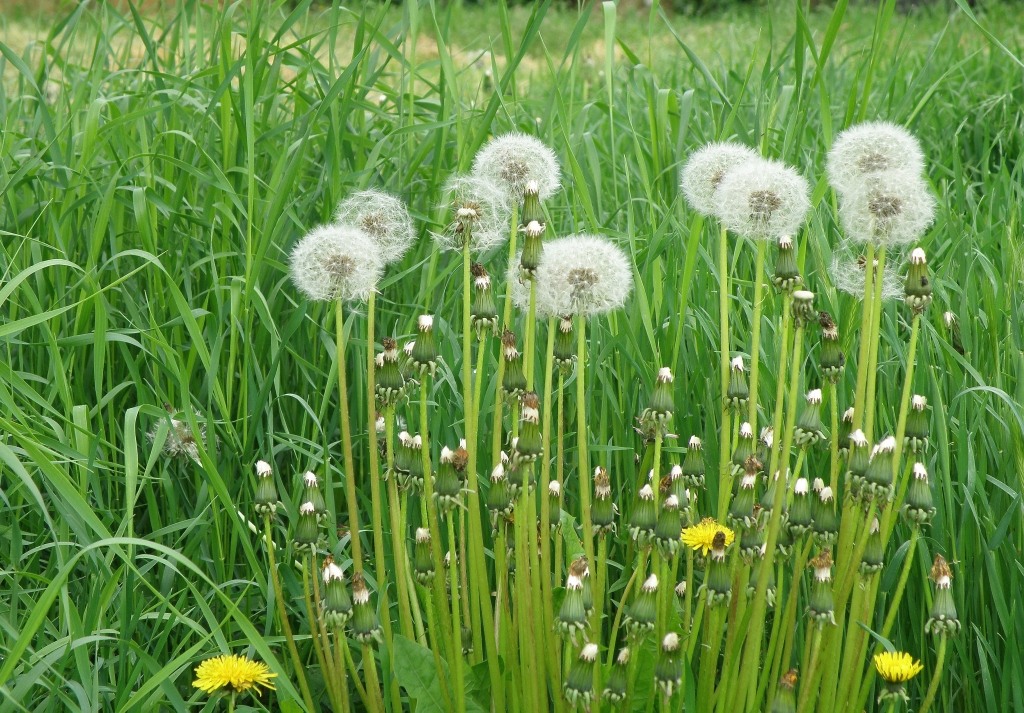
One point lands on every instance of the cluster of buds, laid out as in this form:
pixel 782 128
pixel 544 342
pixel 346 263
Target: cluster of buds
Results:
pixel 809 430
pixel 572 615
pixel 943 620
pixel 831 359
pixel 787 275
pixel 917 290
pixel 668 673
pixel 820 606
pixel 641 614
pixel 266 499
pixel 737 396
pixel 915 435
pixel 529 445
pixel 602 512
pixel 483 309
pixel 919 506
pixel 423 355
pixel 564 350
pixel 337 602
pixel 388 380
pixel 532 227
pixel 660 406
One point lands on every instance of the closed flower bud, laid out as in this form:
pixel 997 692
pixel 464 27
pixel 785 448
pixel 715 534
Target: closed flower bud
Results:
pixel 644 518
pixel 668 673
pixel 826 521
pixel 666 533
pixel 311 494
pixel 616 686
pixel 565 345
pixel 918 287
pixel 755 575
pixel 915 436
pixel 845 430
pixel 555 504
pixel 307 530
pixel 389 382
pixel 603 509
pixel 738 394
pixel 365 624
pixel 800 517
pixel 499 497
pixel 572 616
pixel 532 227
pixel 752 538
pixel 266 498
pixel 424 351
pixel 448 483
pixel 859 459
pixel 764 444
pixel 943 620
pixel 641 614
pixel 831 359
pixel 530 445
pixel 803 308
pixel 693 464
pixel 787 275
pixel 785 698
pixel 423 561
pixel 659 408
pixel 514 380
pixel 878 478
pixel 919 506
pixel 483 310
pixel 873 558
pixel 718 583
pixel 337 601
pixel 579 684
pixel 809 430
pixel 745 448
pixel 741 509
pixel 820 606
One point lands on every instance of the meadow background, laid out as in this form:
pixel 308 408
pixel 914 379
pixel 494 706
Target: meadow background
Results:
pixel 157 165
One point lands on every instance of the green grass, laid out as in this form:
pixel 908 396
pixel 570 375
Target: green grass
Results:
pixel 153 176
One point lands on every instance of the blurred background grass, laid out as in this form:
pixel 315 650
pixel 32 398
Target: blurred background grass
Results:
pixel 156 167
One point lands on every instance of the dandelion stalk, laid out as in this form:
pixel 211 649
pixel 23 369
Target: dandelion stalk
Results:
pixel 544 573
pixel 586 482
pixel 346 439
pixel 725 469
pixel 933 687
pixel 405 601
pixel 456 657
pixel 876 325
pixel 863 360
pixel 319 644
pixel 755 335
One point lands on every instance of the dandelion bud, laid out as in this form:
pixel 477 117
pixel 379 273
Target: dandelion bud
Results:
pixel 641 614
pixel 915 435
pixel 389 382
pixel 719 581
pixel 311 494
pixel 800 518
pixel 826 521
pixel 381 216
pixel 409 462
pixel 668 673
pixel 467 641
pixel 572 616
pixel 307 530
pixel 530 445
pixel 554 504
pixel 423 561
pixel 741 509
pixel 953 328
pixel 579 684
pixel 803 308
pixel 514 380
pixel 738 394
pixel 666 533
pixel 483 310
pixel 895 668
pixel 602 513
pixel 365 624
pixel 845 429
pixel 860 457
pixel 564 352
pixel 266 498
pixel 448 483
pixel 660 406
pixel 755 575
pixel 409 370
pixel 785 698
pixel 919 506
pixel 752 537
pixel 878 478
pixel 515 161
pixel 764 444
pixel 809 430
pixel 424 351
pixel 499 497
pixel 337 601
pixel 918 287
pixel 745 447
pixel 943 620
pixel 644 518
pixel 787 275
pixel 681 590
pixel 873 558
pixel 693 464
pixel 767 500
pixel 784 545
pixel 616 686
pixel 677 486
pixel 820 605
pixel 831 359
pixel 336 262
pixel 704 170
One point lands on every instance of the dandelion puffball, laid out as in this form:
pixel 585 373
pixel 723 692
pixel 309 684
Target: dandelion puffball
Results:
pixel 705 169
pixel 336 262
pixel 579 274
pixel 383 217
pixel 848 273
pixel 479 209
pixel 893 208
pixel 866 150
pixel 761 199
pixel 513 161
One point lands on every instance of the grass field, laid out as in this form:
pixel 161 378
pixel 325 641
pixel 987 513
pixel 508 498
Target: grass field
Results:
pixel 156 170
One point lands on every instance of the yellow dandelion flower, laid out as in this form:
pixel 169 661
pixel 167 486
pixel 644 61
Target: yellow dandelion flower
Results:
pixel 897 667
pixel 235 673
pixel 701 535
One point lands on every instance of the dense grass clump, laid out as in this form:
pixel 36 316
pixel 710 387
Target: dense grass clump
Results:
pixel 166 386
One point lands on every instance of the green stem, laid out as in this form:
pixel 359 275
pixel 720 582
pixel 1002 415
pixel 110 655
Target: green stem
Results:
pixel 397 533
pixel 582 445
pixel 897 596
pixel 724 469
pixel 314 629
pixel 876 325
pixel 544 573
pixel 282 613
pixel 456 658
pixel 863 360
pixel 346 440
pixel 808 694
pixel 755 338
pixel 933 687
pixel 833 446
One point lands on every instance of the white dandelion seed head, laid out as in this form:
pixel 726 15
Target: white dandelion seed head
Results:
pixel 918 402
pixel 309 479
pixel 737 364
pixel 307 508
pixel 695 442
pixel 333 573
pixel 814 396
pixel 746 430
pixel 477 202
pixel 383 217
pixel 762 199
pixel 892 208
pixel 865 150
pixel 651 584
pixel 858 438
pixel 579 274
pixel 514 161
pixel 555 489
pixel 670 642
pixel 589 653
pixel 705 169
pixel 848 273
pixel 263 469
pixel 801 487
pixel 920 472
pixel 336 262
pixel 817 484
pixel 422 535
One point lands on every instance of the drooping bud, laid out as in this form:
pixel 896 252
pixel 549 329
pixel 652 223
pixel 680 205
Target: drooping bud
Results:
pixel 787 275
pixel 917 289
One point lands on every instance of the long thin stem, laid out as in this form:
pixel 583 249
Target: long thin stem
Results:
pixel 876 325
pixel 346 440
pixel 863 360
pixel 583 455
pixel 724 468
pixel 933 687
pixel 456 657
pixel 755 335
pixel 397 533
